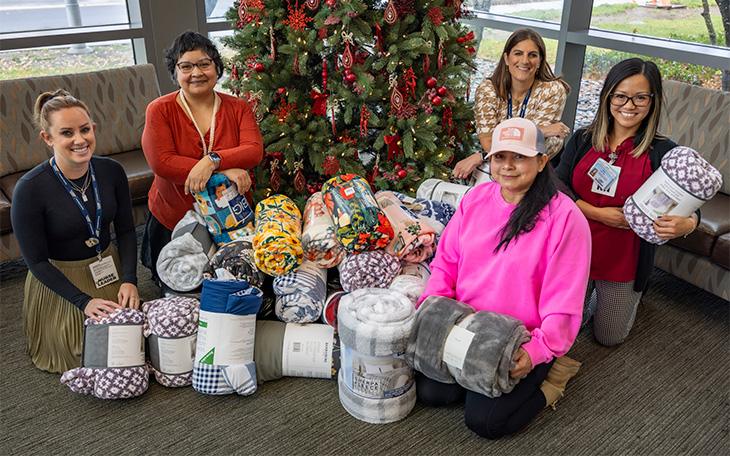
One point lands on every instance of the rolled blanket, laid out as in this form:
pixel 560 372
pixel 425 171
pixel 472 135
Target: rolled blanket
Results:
pixel 112 361
pixel 430 209
pixel 375 269
pixel 412 280
pixel 171 329
pixel 300 294
pixel 683 183
pixel 376 385
pixel 224 352
pixel 452 343
pixel 237 257
pixel 375 321
pixel 444 192
pixel 181 263
pixel 227 213
pixel 277 238
pixel 413 240
pixel 361 224
pixel 331 305
pixel 319 242
pixel 295 350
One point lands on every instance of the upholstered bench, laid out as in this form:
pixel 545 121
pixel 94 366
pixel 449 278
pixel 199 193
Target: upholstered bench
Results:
pixel 117 99
pixel 699 118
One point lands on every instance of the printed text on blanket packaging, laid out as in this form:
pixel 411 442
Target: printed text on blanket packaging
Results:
pixel 225 339
pixel 307 351
pixel 456 346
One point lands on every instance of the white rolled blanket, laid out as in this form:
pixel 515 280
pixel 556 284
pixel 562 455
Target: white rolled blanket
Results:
pixel 680 186
pixel 412 280
pixel 184 259
pixel 375 321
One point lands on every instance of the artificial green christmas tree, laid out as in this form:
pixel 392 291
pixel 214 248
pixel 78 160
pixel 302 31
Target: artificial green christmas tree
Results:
pixel 375 88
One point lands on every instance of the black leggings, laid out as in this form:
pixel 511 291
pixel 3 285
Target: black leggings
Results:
pixel 490 417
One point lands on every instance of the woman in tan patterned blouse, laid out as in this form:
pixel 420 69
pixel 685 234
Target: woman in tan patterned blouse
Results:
pixel 524 82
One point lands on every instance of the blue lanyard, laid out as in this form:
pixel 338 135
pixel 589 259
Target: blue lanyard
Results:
pixel 93 241
pixel 524 104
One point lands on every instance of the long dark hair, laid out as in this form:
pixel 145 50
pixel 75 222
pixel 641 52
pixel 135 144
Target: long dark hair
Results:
pixel 190 41
pixel 602 125
pixel 501 79
pixel 527 213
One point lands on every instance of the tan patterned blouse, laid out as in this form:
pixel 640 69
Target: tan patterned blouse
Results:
pixel 545 107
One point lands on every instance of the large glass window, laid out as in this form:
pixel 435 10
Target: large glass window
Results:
pixel 23 63
pixel 685 20
pixel 30 15
pixel 543 10
pixel 217 9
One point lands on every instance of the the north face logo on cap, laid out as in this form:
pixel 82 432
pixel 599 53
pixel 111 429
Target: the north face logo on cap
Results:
pixel 511 134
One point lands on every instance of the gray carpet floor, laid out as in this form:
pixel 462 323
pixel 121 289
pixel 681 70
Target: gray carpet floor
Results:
pixel 663 392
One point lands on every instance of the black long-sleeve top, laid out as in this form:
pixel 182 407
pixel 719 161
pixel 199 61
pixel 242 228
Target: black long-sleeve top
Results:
pixel 48 224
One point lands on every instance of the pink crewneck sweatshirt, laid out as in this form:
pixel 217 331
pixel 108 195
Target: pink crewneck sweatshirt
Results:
pixel 540 279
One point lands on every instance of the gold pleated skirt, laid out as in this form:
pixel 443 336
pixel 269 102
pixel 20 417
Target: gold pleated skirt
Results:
pixel 52 326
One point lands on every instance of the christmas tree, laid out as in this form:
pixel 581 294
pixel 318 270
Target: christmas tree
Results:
pixel 374 88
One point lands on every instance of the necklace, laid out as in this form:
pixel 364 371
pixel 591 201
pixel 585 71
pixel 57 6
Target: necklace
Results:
pixel 206 149
pixel 82 190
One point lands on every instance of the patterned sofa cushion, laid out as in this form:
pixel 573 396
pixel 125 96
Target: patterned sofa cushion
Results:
pixel 698 117
pixel 117 99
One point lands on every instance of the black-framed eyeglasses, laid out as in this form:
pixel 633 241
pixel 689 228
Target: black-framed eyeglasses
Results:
pixel 203 64
pixel 640 101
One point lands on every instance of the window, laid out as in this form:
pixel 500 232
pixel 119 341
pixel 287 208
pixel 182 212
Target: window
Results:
pixel 541 10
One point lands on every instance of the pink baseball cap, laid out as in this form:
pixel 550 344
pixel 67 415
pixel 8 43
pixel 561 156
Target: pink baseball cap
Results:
pixel 517 135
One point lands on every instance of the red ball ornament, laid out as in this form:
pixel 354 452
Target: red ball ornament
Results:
pixel 259 67
pixel 398 166
pixel 351 77
pixel 442 91
pixel 431 82
pixel 436 100
pixel 402 173
pixel 331 3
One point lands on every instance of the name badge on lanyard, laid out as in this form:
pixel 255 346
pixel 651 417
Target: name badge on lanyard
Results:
pixel 104 272
pixel 605 177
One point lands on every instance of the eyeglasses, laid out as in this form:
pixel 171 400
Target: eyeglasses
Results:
pixel 203 65
pixel 640 101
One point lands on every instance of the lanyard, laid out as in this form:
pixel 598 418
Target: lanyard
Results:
pixel 524 104
pixel 206 149
pixel 93 241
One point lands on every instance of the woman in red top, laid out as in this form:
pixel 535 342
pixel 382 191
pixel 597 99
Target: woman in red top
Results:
pixel 604 164
pixel 189 135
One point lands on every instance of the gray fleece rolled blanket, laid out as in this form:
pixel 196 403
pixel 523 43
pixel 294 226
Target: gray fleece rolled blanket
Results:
pixel 680 186
pixel 375 383
pixel 484 365
pixel 184 259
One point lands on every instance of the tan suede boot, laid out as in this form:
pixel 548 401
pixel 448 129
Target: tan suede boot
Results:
pixel 564 368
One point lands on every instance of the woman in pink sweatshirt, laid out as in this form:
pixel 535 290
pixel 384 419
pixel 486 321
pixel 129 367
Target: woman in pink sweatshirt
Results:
pixel 519 247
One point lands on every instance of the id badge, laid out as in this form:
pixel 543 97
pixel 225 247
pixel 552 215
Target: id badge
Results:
pixel 605 177
pixel 103 272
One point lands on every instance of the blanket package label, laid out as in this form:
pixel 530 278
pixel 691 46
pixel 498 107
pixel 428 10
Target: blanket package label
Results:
pixel 376 377
pixel 112 345
pixel 661 195
pixel 456 346
pixel 172 355
pixel 225 339
pixel 307 351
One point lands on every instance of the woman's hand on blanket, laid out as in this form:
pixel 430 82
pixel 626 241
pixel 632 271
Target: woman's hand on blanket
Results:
pixel 524 364
pixel 199 175
pixel 613 217
pixel 240 177
pixel 672 226
pixel 99 308
pixel 128 296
